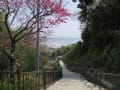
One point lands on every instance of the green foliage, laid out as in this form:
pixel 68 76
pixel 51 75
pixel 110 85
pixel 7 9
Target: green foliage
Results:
pixel 27 58
pixel 2 26
pixel 62 50
pixel 26 84
pixel 4 86
pixel 56 66
pixel 4 62
pixel 44 56
pixel 1 20
pixel 100 48
pixel 84 57
pixel 72 57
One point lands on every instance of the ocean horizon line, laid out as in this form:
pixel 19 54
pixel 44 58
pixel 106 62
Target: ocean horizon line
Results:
pixel 63 37
pixel 61 41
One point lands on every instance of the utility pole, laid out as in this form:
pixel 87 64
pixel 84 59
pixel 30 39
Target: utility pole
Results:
pixel 38 37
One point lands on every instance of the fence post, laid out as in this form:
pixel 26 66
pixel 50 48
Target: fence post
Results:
pixel 61 73
pixel 105 77
pixel 95 78
pixel 53 78
pixel 44 79
pixel 19 78
pixel 100 81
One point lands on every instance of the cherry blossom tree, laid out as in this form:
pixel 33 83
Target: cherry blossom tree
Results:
pixel 22 17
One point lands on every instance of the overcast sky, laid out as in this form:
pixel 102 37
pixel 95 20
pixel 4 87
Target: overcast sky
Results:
pixel 72 27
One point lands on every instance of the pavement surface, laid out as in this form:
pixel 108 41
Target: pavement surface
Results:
pixel 72 81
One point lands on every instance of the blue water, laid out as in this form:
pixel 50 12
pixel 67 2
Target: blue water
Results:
pixel 61 41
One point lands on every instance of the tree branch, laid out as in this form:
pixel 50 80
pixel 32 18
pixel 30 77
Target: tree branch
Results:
pixel 7 27
pixel 28 23
pixel 27 34
pixel 16 12
pixel 5 52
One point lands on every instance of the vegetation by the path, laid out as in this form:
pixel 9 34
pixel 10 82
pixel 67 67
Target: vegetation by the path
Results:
pixel 100 46
pixel 83 57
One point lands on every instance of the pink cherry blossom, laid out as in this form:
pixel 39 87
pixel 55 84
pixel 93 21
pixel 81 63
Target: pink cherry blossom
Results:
pixel 59 14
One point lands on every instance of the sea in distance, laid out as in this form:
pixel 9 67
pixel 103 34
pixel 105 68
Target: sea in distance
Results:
pixel 57 42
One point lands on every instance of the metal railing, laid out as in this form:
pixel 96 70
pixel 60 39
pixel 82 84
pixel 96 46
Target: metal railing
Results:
pixel 107 80
pixel 29 80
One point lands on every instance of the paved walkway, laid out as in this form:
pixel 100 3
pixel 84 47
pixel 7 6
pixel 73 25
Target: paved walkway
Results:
pixel 72 81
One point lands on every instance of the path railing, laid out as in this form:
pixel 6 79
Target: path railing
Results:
pixel 108 80
pixel 29 80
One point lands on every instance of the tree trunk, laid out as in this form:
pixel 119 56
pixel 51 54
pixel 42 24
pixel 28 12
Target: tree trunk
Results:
pixel 12 71
pixel 12 63
pixel 1 74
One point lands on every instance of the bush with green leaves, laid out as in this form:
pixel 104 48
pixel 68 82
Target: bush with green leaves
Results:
pixel 5 85
pixel 26 84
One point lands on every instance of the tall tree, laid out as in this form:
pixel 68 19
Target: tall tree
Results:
pixel 102 22
pixel 21 15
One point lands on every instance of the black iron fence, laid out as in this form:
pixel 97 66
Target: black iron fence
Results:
pixel 29 80
pixel 108 80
